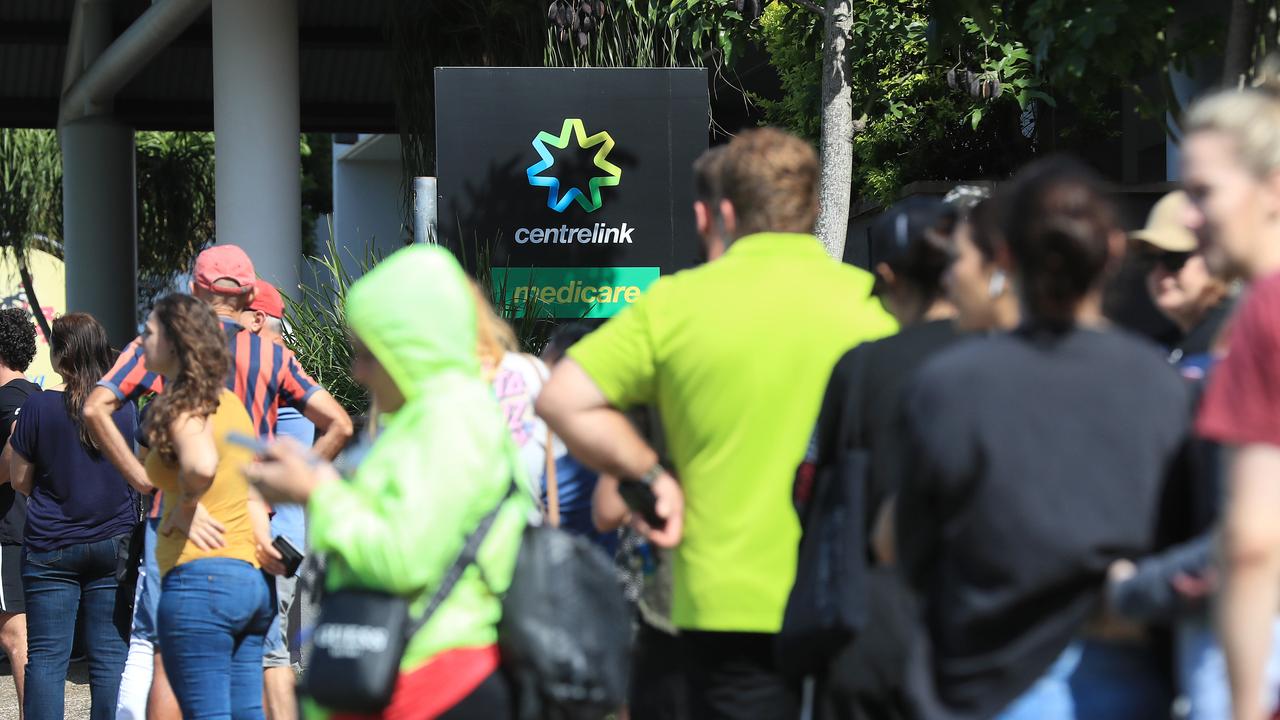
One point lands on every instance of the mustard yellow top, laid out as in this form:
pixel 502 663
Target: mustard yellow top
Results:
pixel 227 499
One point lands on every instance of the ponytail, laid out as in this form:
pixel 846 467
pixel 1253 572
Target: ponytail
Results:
pixel 1058 225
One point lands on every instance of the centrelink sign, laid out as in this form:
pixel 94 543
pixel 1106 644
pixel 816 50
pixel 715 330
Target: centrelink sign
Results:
pixel 574 184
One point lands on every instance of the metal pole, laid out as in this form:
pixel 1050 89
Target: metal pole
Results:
pixel 424 210
pixel 136 46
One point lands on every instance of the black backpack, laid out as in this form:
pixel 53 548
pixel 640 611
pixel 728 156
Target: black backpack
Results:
pixel 827 606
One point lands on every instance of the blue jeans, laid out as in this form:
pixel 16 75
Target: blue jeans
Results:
pixel 1097 680
pixel 213 616
pixel 147 599
pixel 58 584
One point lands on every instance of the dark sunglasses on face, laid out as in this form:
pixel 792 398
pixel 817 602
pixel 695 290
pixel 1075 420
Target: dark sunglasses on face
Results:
pixel 1170 262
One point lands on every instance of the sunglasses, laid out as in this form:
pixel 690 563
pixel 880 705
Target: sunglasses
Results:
pixel 1170 262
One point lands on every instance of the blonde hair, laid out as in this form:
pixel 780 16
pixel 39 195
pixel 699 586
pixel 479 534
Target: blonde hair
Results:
pixel 494 337
pixel 1250 117
pixel 771 179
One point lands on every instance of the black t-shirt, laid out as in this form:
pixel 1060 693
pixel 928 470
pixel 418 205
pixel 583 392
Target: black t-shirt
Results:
pixel 13 505
pixel 1037 461
pixel 868 382
pixel 1201 338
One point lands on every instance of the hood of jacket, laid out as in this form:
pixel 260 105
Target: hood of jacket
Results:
pixel 414 311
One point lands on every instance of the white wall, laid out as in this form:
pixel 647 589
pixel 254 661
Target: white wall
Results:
pixel 366 197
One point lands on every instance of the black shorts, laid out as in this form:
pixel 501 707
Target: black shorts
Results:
pixel 11 598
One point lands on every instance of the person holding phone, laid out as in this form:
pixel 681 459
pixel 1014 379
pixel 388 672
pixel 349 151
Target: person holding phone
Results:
pixel 443 460
pixel 737 410
pixel 209 559
pixel 265 376
pixel 265 318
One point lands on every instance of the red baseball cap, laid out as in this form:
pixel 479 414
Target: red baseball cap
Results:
pixel 267 299
pixel 224 262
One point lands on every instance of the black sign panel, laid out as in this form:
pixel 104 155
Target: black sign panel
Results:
pixel 576 184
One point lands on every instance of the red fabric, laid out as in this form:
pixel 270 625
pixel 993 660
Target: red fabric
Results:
pixel 802 490
pixel 224 262
pixel 267 299
pixel 1242 402
pixel 434 688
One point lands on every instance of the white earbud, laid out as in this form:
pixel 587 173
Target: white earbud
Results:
pixel 996 287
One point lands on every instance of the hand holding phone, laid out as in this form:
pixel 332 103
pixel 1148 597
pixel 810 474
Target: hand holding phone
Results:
pixel 640 498
pixel 262 449
pixel 253 444
pixel 289 555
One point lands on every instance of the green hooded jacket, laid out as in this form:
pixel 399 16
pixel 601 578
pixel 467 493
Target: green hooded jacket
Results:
pixel 441 463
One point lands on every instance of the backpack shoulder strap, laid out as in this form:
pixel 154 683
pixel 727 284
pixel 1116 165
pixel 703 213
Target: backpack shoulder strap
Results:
pixel 553 486
pixel 840 423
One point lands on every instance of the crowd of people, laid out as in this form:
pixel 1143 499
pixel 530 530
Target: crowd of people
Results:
pixel 1051 517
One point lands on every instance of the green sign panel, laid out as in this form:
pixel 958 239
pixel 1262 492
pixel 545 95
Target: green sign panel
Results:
pixel 571 292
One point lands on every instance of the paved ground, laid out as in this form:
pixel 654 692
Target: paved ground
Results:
pixel 77 693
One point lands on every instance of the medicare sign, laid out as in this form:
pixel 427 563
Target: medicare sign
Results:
pixel 573 184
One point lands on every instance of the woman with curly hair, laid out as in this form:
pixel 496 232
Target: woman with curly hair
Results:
pixel 206 550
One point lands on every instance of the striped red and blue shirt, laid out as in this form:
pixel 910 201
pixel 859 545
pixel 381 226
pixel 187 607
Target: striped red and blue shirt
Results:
pixel 264 375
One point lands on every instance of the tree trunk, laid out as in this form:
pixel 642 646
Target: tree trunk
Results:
pixel 1238 53
pixel 836 182
pixel 29 288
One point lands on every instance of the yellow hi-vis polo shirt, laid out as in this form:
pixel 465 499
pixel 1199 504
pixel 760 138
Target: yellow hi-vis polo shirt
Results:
pixel 735 355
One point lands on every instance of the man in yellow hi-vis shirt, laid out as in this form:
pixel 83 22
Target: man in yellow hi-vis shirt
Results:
pixel 735 355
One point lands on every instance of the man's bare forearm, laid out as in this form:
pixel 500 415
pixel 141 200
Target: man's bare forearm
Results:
pixel 333 423
pixel 604 440
pixel 98 409
pixel 596 433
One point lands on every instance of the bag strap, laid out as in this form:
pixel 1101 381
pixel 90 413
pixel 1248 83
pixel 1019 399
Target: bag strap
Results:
pixel 553 487
pixel 460 564
pixel 840 420
pixel 552 508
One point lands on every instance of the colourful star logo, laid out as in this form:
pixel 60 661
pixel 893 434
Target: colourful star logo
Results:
pixel 555 201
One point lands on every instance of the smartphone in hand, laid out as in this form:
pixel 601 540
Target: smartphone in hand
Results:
pixel 640 498
pixel 253 444
pixel 259 448
pixel 290 555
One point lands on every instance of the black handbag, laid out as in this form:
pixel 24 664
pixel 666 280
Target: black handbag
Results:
pixel 565 634
pixel 361 636
pixel 827 606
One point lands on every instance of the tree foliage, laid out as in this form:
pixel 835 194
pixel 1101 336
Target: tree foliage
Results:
pixel 913 126
pixel 30 189
pixel 1059 67
pixel 175 199
pixel 792 37
pixel 647 33
pixel 1082 51
pixel 30 199
pixel 317 186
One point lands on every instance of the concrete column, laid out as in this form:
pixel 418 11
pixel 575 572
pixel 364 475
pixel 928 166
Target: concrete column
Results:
pixel 100 223
pixel 256 133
